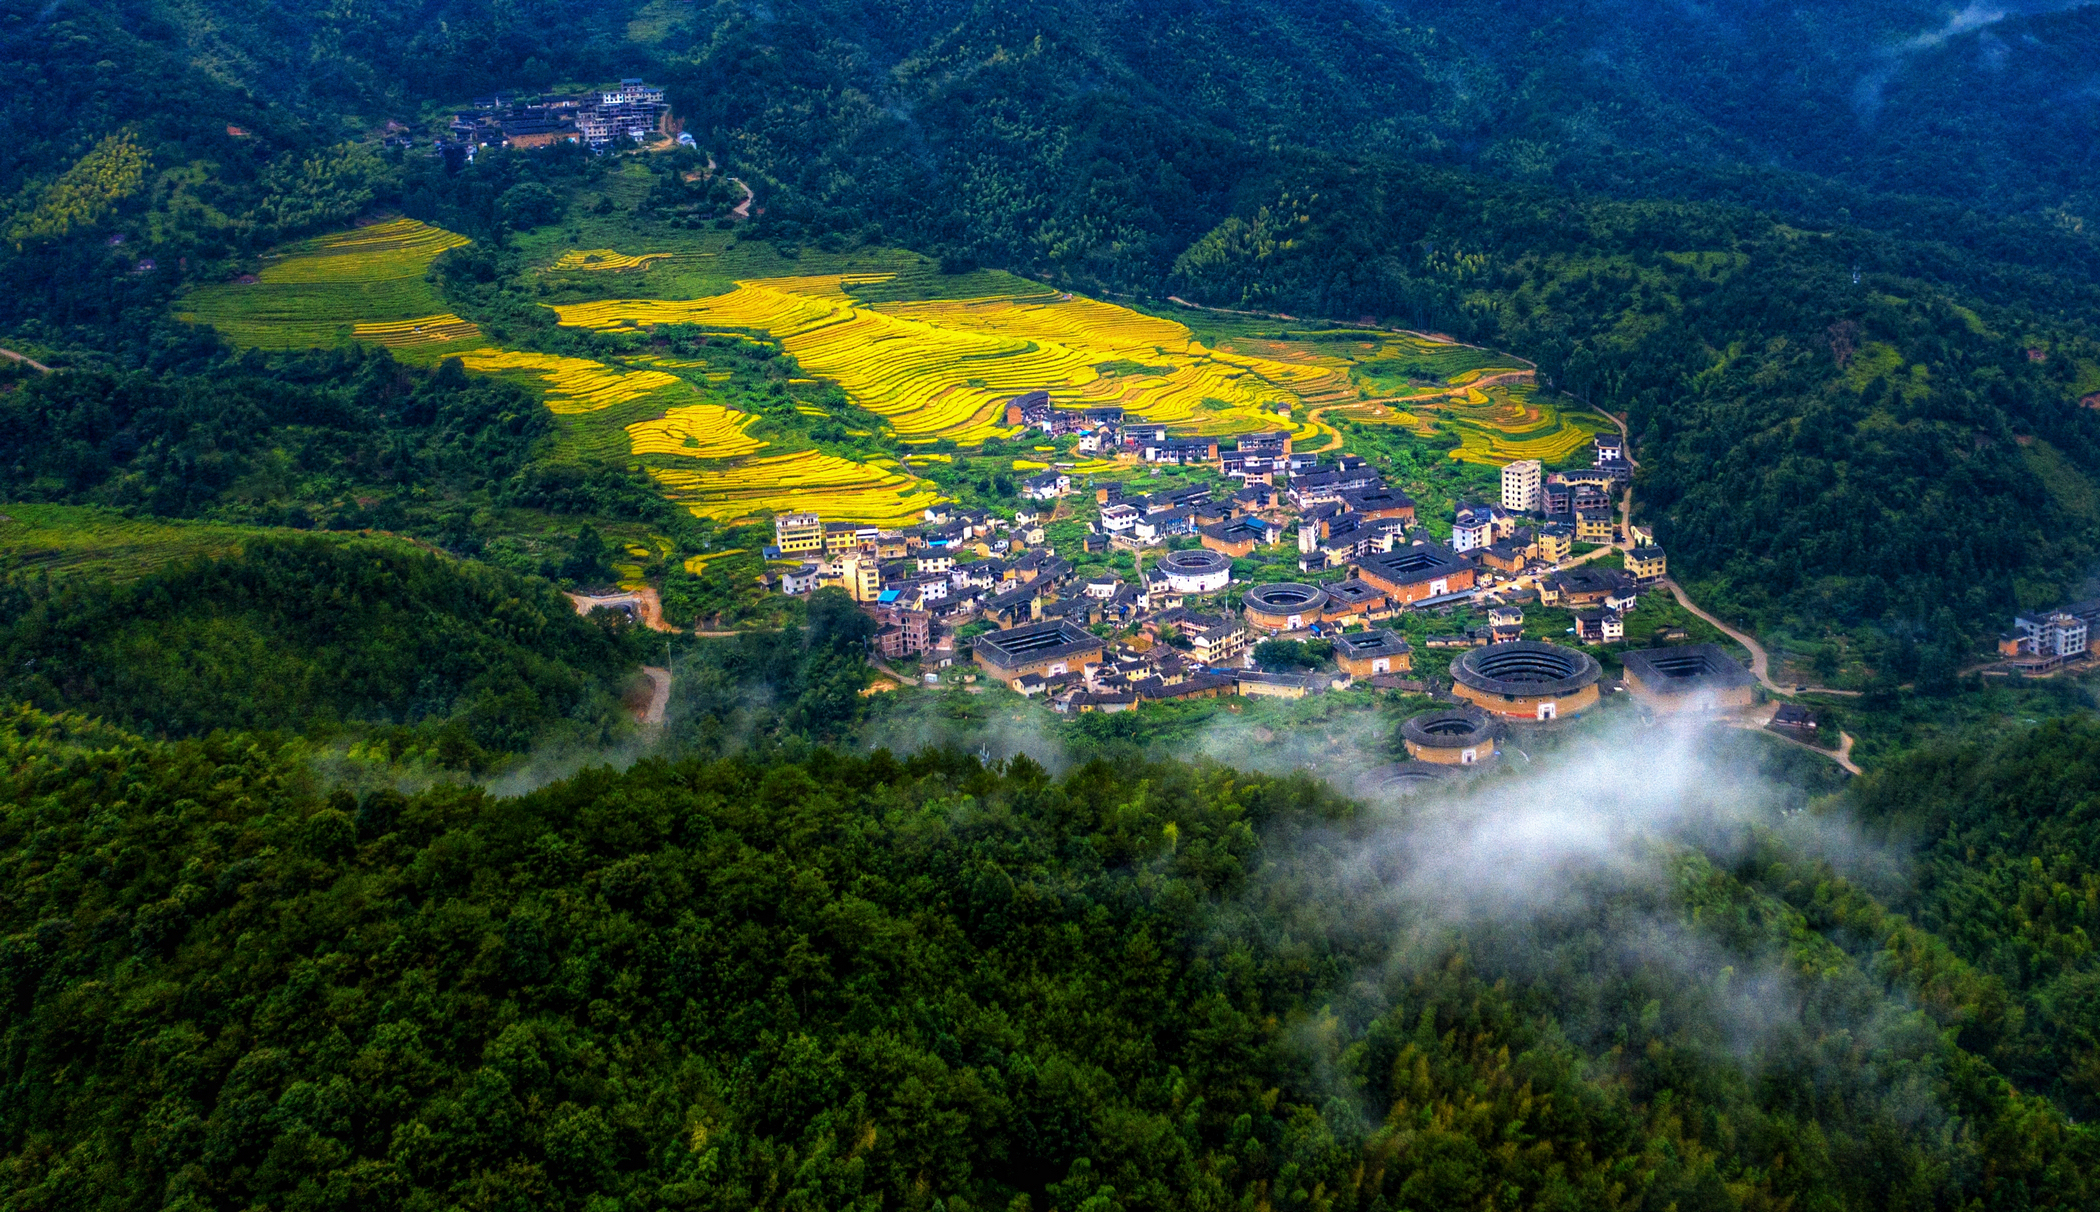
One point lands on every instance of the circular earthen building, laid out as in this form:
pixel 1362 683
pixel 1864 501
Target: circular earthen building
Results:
pixel 1284 606
pixel 1197 570
pixel 1458 736
pixel 1527 680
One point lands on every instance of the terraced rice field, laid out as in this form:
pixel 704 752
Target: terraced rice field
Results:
pixel 574 385
pixel 320 292
pixel 947 368
pixel 1495 425
pixel 440 329
pixel 586 259
pixel 701 431
pixel 838 489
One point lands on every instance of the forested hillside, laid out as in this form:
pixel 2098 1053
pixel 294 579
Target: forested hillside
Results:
pixel 873 983
pixel 318 637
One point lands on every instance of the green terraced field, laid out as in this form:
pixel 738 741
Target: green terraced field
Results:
pixel 316 293
pixel 76 540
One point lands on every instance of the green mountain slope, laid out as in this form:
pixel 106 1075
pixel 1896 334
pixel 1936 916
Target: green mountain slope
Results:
pixel 865 983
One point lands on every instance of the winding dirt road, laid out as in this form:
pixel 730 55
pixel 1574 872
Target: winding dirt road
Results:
pixel 659 693
pixel 1760 664
pixel 25 360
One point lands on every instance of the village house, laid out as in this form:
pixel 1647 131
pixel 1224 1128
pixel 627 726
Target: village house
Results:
pixel 1046 486
pixel 1255 684
pixel 1600 627
pixel 1047 649
pixel 1647 563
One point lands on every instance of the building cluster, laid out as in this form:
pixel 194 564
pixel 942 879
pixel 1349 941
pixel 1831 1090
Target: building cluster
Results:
pixel 1190 633
pixel 599 120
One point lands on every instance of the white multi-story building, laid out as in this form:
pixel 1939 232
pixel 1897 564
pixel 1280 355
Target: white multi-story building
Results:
pixel 1521 483
pixel 1474 527
pixel 2058 633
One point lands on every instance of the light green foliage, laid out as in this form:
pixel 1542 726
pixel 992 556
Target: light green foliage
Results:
pixel 85 195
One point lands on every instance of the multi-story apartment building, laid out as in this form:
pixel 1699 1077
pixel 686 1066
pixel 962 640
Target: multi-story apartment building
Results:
pixel 1522 485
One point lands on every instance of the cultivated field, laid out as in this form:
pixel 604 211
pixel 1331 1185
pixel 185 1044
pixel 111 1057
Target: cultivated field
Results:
pixel 839 489
pixel 573 385
pixel 369 283
pixel 946 368
pixel 702 431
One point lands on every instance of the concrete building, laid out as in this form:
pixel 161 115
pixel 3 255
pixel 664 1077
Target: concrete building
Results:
pixel 1689 677
pixel 1522 484
pixel 1473 528
pixel 1527 680
pixel 2056 633
pixel 1647 563
pixel 795 533
pixel 861 575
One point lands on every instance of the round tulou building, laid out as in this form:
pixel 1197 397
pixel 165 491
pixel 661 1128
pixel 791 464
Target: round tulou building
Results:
pixel 1402 778
pixel 1197 570
pixel 1284 606
pixel 1527 680
pixel 1457 736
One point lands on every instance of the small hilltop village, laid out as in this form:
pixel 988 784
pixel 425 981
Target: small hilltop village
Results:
pixel 1171 594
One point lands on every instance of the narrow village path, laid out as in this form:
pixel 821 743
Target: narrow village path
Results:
pixel 1842 755
pixel 659 693
pixel 741 210
pixel 25 360
pixel 1760 665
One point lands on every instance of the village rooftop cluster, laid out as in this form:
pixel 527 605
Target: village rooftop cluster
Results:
pixel 1182 626
pixel 601 120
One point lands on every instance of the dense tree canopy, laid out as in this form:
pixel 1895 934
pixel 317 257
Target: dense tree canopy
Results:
pixel 871 983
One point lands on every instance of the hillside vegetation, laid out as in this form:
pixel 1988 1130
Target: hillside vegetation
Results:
pixel 872 983
pixel 318 636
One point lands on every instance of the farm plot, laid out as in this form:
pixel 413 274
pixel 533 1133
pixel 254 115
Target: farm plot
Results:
pixel 323 291
pixel 701 431
pixel 589 259
pixel 1495 425
pixel 441 329
pixel 946 368
pixel 808 480
pixel 574 385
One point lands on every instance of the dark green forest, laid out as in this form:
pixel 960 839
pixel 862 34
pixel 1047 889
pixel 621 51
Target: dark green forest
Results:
pixel 844 982
pixel 308 636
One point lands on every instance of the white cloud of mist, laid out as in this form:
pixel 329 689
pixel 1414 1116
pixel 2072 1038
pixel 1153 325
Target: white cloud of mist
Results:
pixel 1867 94
pixel 1593 850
